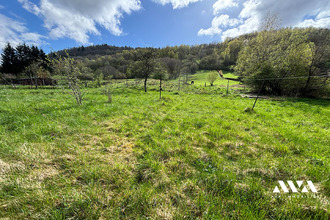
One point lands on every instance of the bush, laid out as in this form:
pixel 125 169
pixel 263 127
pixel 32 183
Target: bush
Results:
pixel 212 77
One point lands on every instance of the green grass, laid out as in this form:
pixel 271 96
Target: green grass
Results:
pixel 195 154
pixel 200 78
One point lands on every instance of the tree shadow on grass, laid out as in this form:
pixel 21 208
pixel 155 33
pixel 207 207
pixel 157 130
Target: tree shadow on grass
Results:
pixel 312 102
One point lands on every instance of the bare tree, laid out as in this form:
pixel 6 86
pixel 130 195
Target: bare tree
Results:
pixel 107 90
pixel 66 65
pixel 36 71
pixel 271 22
pixel 161 74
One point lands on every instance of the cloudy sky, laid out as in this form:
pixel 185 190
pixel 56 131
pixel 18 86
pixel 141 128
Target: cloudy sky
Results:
pixel 59 24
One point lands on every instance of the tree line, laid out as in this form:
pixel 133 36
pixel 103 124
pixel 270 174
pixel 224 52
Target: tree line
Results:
pixel 18 60
pixel 291 62
pixel 271 53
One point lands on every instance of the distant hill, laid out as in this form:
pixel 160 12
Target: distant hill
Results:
pixel 101 50
pixel 115 62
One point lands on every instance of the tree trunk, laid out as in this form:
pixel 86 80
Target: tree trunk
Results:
pixel 310 73
pixel 145 84
pixel 36 83
pixel 32 83
pixel 160 88
pixel 304 91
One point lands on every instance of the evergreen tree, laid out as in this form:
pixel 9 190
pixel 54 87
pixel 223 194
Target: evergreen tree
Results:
pixel 24 57
pixel 9 60
pixel 16 60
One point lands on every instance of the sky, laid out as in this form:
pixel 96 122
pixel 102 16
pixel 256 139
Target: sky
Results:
pixel 60 24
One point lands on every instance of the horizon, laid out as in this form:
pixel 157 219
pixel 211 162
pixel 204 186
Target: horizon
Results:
pixel 54 25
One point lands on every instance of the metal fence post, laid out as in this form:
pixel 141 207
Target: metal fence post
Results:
pixel 262 85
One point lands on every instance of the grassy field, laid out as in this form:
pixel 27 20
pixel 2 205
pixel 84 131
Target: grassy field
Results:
pixel 195 154
pixel 201 78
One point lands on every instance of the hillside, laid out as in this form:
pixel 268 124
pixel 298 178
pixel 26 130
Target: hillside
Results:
pixel 91 51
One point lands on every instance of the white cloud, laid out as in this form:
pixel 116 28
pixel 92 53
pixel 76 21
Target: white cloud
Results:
pixel 30 6
pixel 33 38
pixel 15 32
pixel 321 20
pixel 77 19
pixel 293 13
pixel 250 25
pixel 10 30
pixel 324 13
pixel 221 5
pixel 176 3
pixel 210 31
pixel 319 23
pixel 224 21
pixel 217 22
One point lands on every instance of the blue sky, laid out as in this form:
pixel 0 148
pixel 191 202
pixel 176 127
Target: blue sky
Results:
pixel 60 24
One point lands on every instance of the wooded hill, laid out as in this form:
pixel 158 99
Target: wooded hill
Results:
pixel 269 53
pixel 90 51
pixel 211 56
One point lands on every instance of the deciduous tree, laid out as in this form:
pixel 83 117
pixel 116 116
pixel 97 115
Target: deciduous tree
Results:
pixel 212 77
pixel 281 56
pixel 66 66
pixel 144 65
pixel 161 74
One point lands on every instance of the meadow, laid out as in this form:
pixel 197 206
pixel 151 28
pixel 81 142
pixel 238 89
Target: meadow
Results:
pixel 197 153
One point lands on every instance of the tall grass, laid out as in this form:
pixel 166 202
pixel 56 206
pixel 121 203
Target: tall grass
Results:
pixel 194 154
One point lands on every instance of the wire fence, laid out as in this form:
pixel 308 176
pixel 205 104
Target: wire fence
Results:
pixel 282 78
pixel 293 77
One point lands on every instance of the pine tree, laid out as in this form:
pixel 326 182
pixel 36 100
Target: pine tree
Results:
pixel 16 60
pixel 24 57
pixel 9 60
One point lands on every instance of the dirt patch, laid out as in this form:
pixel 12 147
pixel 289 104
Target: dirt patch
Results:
pixel 164 213
pixel 115 124
pixel 260 172
pixel 36 177
pixel 122 146
pixel 43 173
pixel 242 187
pixel 6 168
pixel 68 157
pixel 232 145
